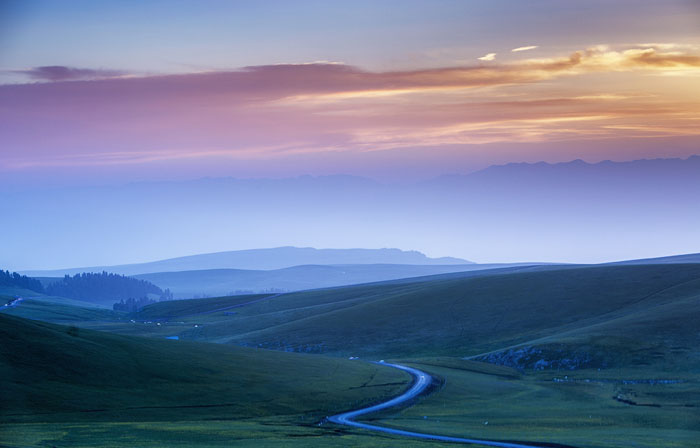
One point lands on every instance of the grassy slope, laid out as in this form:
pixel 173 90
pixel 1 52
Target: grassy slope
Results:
pixel 654 338
pixel 574 413
pixel 59 310
pixel 674 259
pixel 189 318
pixel 451 316
pixel 13 291
pixel 641 319
pixel 659 331
pixel 63 386
pixel 250 433
pixel 182 308
pixel 58 373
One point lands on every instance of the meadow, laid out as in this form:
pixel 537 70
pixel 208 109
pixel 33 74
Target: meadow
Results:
pixel 594 356
pixel 581 408
pixel 54 375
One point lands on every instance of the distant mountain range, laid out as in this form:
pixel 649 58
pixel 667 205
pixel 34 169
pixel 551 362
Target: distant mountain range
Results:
pixel 649 172
pixel 197 279
pixel 265 259
pixel 203 281
pixel 557 212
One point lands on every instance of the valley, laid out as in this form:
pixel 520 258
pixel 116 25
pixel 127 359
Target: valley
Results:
pixel 611 347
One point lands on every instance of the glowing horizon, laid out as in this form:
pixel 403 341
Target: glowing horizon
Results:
pixel 534 90
pixel 110 112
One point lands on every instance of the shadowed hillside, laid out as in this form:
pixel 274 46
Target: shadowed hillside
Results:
pixel 466 314
pixel 608 353
pixel 60 373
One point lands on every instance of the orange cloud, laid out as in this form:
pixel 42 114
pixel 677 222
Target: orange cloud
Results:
pixel 268 111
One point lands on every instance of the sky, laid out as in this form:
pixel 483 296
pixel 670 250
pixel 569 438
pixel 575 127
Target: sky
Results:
pixel 108 93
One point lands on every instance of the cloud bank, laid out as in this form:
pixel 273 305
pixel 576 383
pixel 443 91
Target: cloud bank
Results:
pixel 104 118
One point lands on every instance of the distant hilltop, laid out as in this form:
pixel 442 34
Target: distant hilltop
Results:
pixel 264 259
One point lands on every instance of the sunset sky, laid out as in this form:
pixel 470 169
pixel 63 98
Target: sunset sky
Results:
pixel 94 91
pixel 97 96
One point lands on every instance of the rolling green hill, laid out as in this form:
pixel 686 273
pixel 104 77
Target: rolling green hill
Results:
pixel 673 259
pixel 457 314
pixel 13 291
pixel 603 356
pixel 60 310
pixel 53 374
pixel 187 318
pixel 659 332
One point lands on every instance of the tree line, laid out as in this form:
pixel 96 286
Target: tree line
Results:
pixel 132 294
pixel 8 278
pixel 104 286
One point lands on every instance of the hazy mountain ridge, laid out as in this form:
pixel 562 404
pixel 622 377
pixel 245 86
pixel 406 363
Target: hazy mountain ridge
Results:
pixel 266 259
pixel 640 166
pixel 219 282
pixel 188 284
pixel 574 206
pixel 652 171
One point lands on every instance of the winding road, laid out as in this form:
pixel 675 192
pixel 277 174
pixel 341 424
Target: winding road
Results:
pixel 12 303
pixel 421 381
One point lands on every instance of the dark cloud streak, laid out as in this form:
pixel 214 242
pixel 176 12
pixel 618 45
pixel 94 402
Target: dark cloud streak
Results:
pixel 56 73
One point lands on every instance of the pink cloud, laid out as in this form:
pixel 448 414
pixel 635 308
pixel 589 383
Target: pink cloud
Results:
pixel 264 111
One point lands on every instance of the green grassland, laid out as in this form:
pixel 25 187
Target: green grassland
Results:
pixel 599 356
pixel 659 332
pixel 52 375
pixel 581 411
pixel 187 318
pixel 57 371
pixel 60 310
pixel 456 316
pixel 249 433
pixel 179 308
pixel 13 291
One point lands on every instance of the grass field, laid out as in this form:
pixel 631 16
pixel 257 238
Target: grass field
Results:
pixel 574 412
pixel 53 375
pixel 250 433
pixel 13 291
pixel 61 310
pixel 605 356
pixel 456 315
